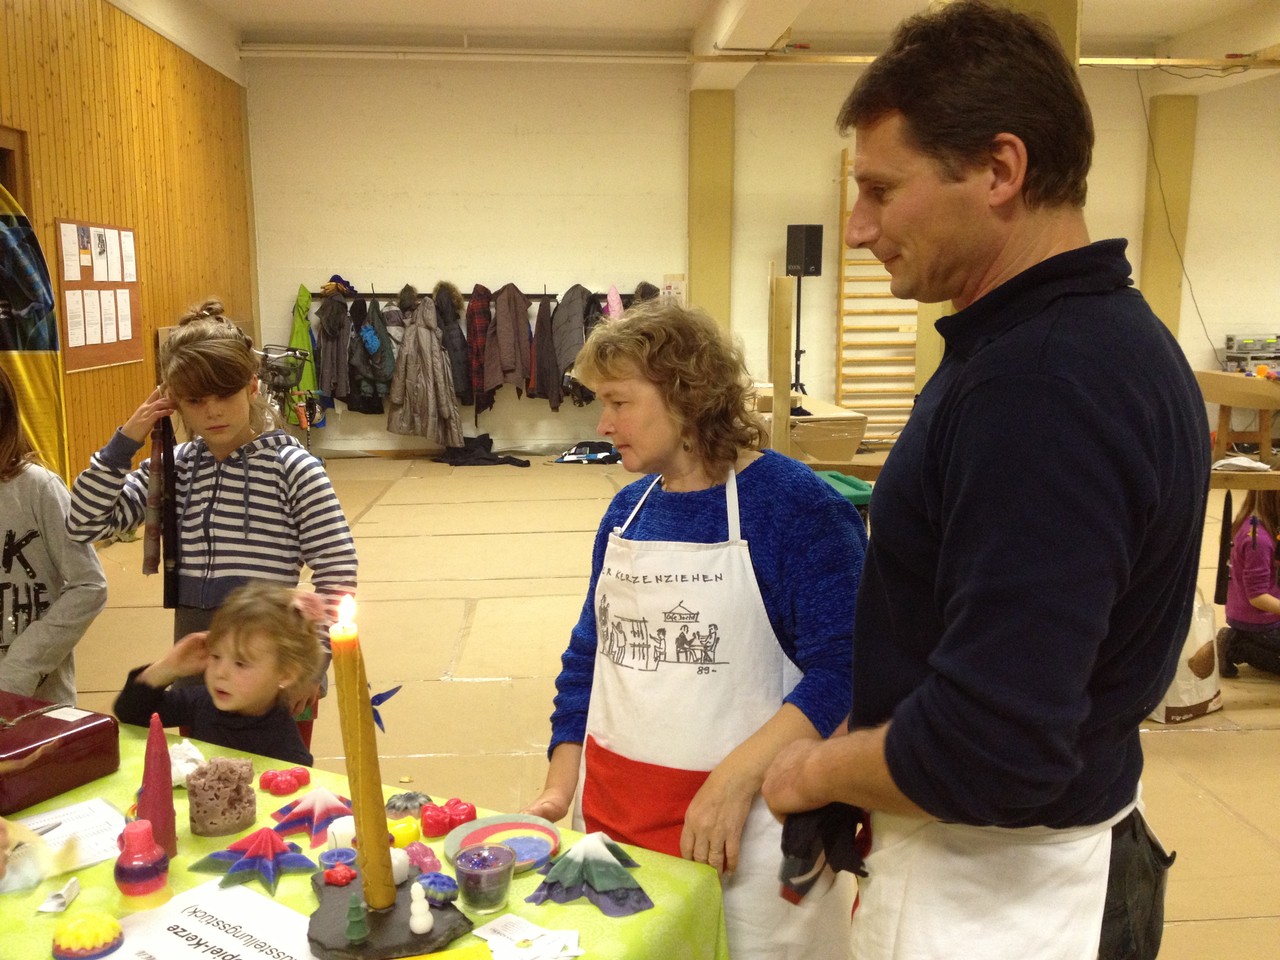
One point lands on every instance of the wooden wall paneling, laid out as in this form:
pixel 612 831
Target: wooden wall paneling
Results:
pixel 123 127
pixel 14 77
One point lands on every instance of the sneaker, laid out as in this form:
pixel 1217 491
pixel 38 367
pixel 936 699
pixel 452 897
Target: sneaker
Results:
pixel 1226 666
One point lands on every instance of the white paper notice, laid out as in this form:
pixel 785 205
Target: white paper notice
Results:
pixel 124 315
pixel 213 921
pixel 113 256
pixel 108 316
pixel 94 824
pixel 128 262
pixel 70 251
pixel 75 318
pixel 99 235
pixel 92 317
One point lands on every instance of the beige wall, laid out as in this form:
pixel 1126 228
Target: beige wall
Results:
pixel 417 171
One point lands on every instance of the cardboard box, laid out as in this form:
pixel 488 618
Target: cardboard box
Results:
pixel 46 749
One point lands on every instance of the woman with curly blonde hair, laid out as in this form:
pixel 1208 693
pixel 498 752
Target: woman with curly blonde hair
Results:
pixel 669 751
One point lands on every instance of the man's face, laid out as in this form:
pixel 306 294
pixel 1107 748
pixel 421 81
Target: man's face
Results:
pixel 931 233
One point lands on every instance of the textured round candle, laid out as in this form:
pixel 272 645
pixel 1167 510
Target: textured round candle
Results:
pixel 484 876
pixel 87 936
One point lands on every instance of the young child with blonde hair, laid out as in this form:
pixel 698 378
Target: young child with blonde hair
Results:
pixel 260 648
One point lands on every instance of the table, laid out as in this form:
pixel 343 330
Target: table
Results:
pixel 1231 390
pixel 687 920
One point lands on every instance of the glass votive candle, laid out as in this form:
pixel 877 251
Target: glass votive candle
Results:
pixel 484 876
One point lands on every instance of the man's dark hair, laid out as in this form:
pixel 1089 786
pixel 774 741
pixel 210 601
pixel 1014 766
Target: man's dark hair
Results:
pixel 968 71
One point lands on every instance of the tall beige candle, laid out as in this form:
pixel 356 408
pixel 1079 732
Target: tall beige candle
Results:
pixel 355 714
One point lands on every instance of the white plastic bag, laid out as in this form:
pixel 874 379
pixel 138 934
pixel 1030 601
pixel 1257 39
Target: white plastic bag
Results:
pixel 1195 690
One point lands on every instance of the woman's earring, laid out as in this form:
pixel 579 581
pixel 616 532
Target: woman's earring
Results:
pixel 687 446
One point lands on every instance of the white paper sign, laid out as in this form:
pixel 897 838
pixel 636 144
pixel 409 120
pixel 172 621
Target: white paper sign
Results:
pixel 94 825
pixel 92 317
pixel 212 921
pixel 75 318
pixel 129 262
pixel 108 300
pixel 113 256
pixel 124 315
pixel 70 252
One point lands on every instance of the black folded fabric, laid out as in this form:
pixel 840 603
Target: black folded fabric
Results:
pixel 836 836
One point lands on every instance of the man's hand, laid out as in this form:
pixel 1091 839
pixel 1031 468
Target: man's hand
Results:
pixel 784 788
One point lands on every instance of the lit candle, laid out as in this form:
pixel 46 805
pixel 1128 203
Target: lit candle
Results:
pixel 355 715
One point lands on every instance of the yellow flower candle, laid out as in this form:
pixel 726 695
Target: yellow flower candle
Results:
pixel 355 715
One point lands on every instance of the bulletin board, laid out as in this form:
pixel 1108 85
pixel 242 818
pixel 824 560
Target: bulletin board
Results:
pixel 99 311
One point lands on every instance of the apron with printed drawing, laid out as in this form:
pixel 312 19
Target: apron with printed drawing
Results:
pixel 687 668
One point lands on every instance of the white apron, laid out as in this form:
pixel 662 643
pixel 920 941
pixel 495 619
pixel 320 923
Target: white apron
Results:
pixel 687 667
pixel 941 890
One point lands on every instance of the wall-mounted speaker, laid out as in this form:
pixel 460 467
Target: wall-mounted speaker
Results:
pixel 804 250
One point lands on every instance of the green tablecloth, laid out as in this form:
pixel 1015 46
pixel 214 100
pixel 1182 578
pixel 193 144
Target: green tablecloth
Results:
pixel 686 923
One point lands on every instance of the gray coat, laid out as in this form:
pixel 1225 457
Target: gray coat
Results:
pixel 568 325
pixel 422 402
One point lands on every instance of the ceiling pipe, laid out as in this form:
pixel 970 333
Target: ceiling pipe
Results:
pixel 487 54
pixel 673 58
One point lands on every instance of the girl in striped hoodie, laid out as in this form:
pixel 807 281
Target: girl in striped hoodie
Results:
pixel 252 503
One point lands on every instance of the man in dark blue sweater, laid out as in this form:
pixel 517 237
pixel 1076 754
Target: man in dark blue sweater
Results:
pixel 1035 531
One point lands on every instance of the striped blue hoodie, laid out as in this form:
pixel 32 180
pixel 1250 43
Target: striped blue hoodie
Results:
pixel 260 514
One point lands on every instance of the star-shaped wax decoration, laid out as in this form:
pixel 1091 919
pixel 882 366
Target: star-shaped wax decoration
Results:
pixel 261 854
pixel 596 868
pixel 377 700
pixel 312 813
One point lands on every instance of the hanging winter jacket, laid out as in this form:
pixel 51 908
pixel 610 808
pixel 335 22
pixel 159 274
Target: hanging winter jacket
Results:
pixel 363 396
pixel 478 321
pixel 547 372
pixel 511 327
pixel 300 339
pixel 568 325
pixel 383 355
pixel 448 302
pixel 332 365
pixel 422 400
pixel 393 319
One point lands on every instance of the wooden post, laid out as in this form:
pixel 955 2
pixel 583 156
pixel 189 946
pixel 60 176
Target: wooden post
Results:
pixel 781 305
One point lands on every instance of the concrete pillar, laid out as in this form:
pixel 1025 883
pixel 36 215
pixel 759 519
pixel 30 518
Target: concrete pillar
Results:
pixel 711 159
pixel 1170 152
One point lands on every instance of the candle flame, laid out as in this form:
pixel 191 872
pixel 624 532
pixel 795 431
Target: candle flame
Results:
pixel 347 609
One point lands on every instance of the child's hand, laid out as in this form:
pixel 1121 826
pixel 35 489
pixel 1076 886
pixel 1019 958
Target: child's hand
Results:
pixel 311 605
pixel 138 427
pixel 306 697
pixel 186 658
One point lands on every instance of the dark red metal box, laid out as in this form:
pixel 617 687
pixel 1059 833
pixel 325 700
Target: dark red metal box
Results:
pixel 43 754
